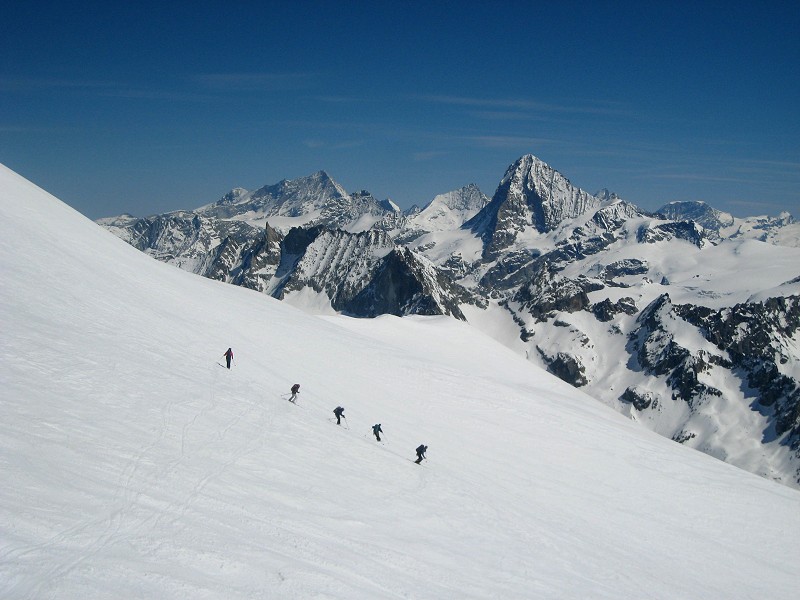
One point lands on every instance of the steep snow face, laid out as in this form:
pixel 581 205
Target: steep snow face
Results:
pixel 140 468
pixel 451 210
pixel 337 262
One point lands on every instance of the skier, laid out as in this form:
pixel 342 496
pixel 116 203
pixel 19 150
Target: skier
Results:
pixel 421 450
pixel 295 392
pixel 377 431
pixel 228 356
pixel 339 412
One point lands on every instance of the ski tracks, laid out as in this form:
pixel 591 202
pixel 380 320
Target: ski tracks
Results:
pixel 148 499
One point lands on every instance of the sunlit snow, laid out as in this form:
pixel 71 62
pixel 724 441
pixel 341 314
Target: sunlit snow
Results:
pixel 136 466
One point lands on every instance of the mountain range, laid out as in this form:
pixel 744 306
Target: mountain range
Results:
pixel 684 319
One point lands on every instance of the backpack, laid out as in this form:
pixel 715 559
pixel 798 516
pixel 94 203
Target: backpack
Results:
pixel 295 388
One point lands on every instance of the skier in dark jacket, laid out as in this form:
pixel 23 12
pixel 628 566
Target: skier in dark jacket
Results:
pixel 421 450
pixel 377 431
pixel 295 392
pixel 228 356
pixel 339 412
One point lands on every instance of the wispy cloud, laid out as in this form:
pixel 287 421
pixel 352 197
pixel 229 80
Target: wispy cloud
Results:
pixel 510 115
pixel 339 145
pixel 344 99
pixel 4 129
pixel 154 94
pixel 99 89
pixel 43 84
pixel 700 177
pixel 262 82
pixel 505 141
pixel 429 155
pixel 522 104
pixel 758 205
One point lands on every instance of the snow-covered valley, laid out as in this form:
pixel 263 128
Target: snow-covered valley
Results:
pixel 136 466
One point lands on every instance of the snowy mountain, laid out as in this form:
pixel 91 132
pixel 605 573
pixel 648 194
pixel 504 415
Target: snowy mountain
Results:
pixel 569 279
pixel 699 212
pixel 532 197
pixel 782 230
pixel 316 199
pixel 451 210
pixel 137 467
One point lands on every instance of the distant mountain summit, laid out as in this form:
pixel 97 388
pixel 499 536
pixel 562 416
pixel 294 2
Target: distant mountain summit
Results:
pixel 314 198
pixel 697 211
pixel 450 210
pixel 531 196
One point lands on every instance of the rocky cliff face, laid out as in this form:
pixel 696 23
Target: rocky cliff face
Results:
pixel 760 339
pixel 708 358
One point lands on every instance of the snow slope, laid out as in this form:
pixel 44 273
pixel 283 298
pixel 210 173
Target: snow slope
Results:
pixel 135 466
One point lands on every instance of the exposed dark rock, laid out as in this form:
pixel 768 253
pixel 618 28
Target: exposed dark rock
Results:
pixel 566 367
pixel 756 337
pixel 640 399
pixel 684 436
pixel 631 266
pixel 300 238
pixel 682 230
pixel 545 296
pixel 607 310
pixel 400 286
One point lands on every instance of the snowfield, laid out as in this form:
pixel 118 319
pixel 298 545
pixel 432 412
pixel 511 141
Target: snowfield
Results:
pixel 135 466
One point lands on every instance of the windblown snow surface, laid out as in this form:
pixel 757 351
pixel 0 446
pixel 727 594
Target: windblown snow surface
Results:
pixel 135 466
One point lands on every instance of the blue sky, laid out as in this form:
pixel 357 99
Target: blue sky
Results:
pixel 146 107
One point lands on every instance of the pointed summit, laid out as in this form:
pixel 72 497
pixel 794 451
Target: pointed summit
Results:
pixel 531 195
pixel 549 195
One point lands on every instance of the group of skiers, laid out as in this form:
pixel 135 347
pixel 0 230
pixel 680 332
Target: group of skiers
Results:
pixel 338 411
pixel 376 430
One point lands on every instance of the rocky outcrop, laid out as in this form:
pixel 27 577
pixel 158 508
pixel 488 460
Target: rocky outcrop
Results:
pixel 565 366
pixel 641 399
pixel 547 294
pixel 681 230
pixel 605 310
